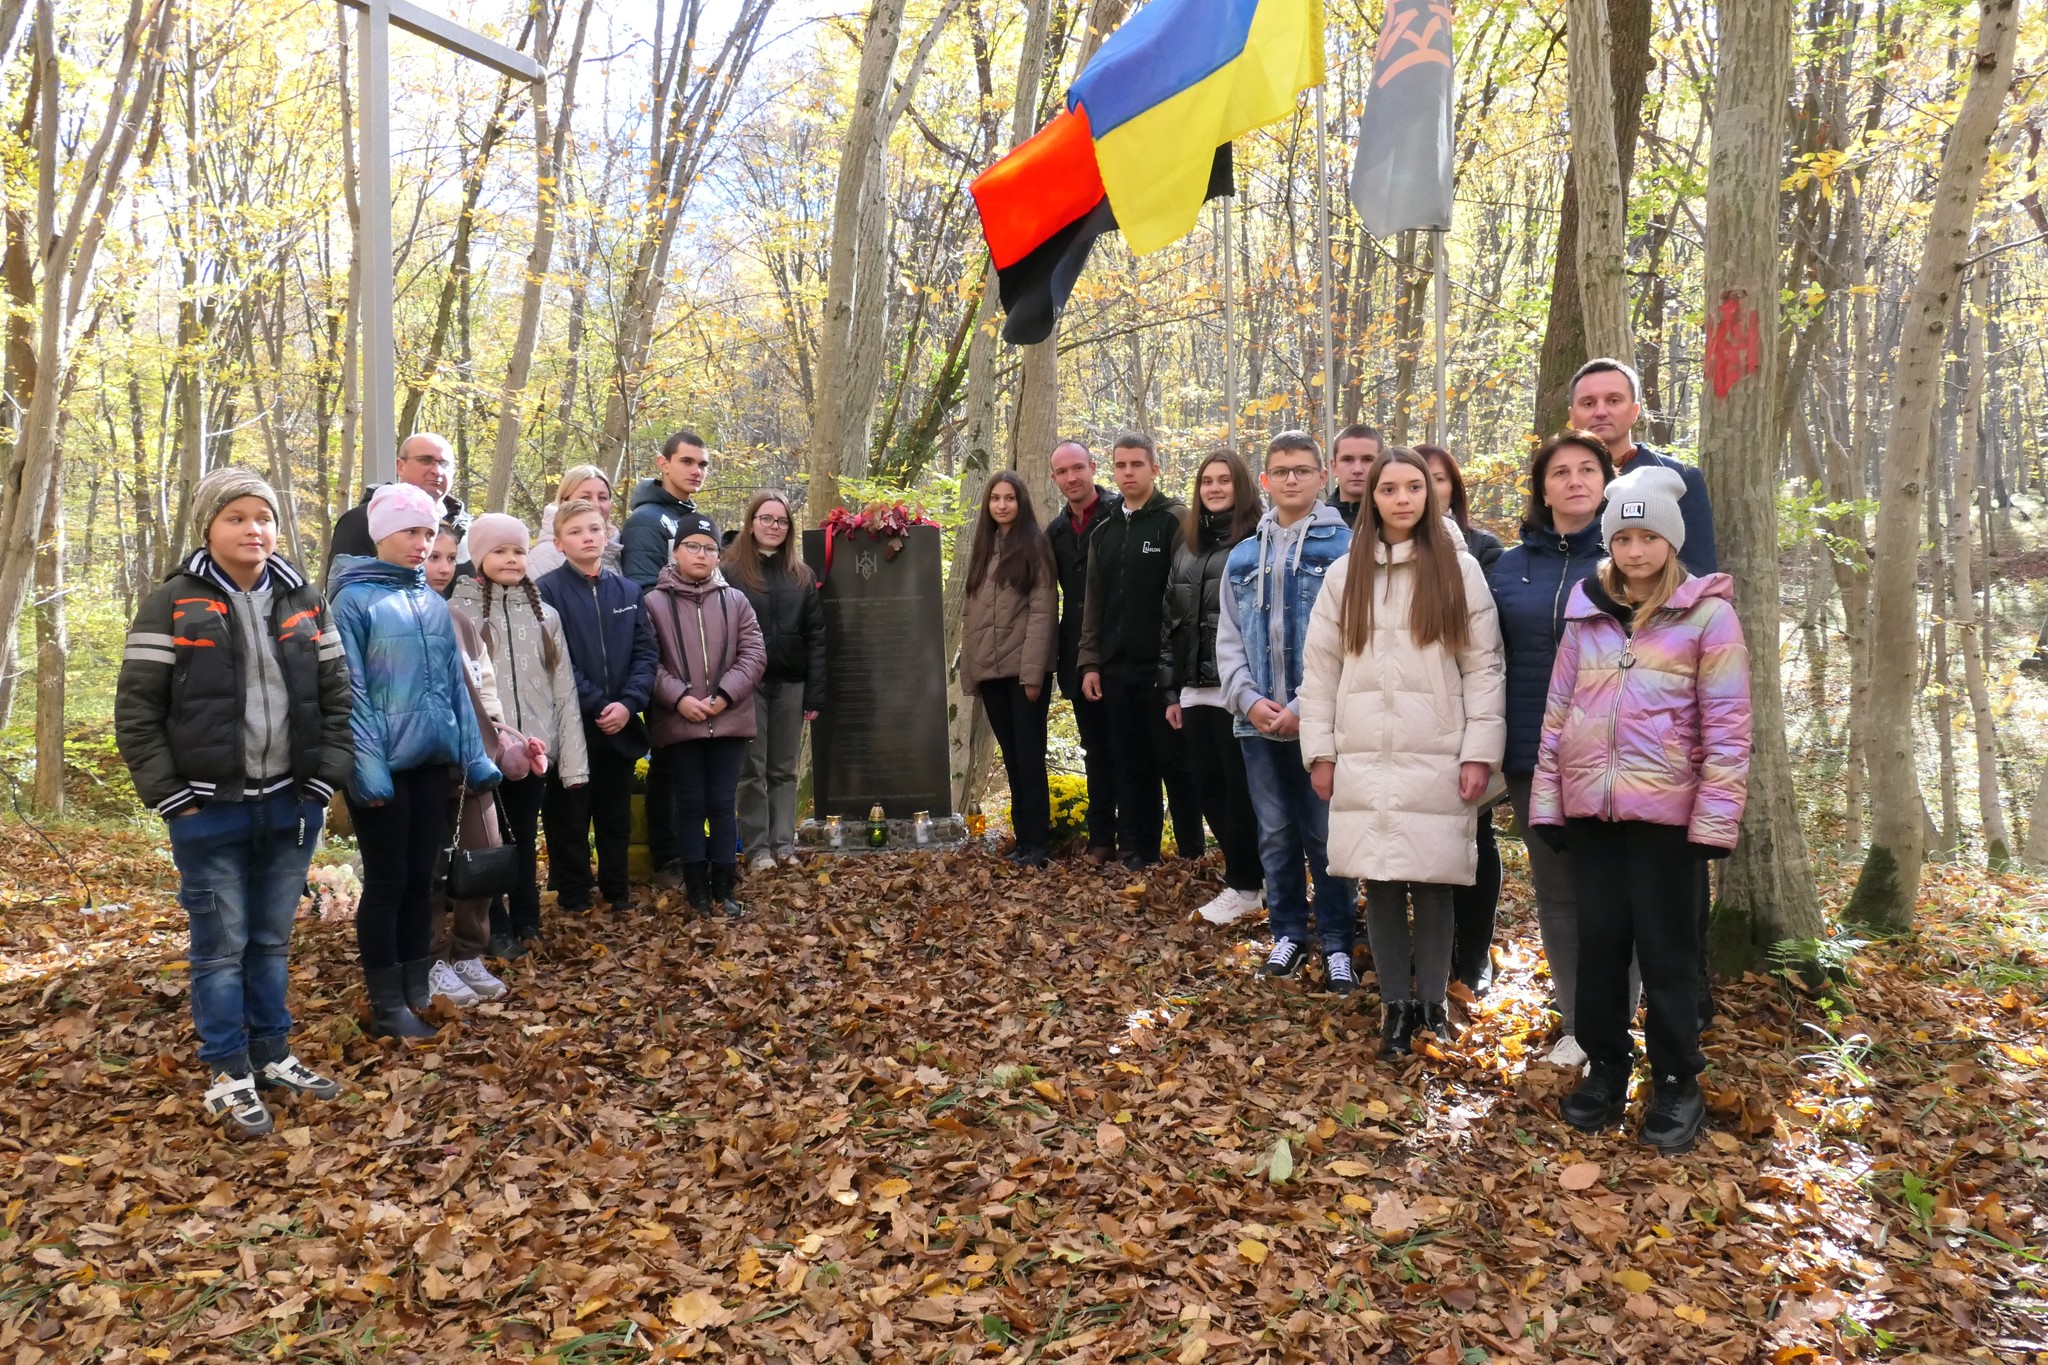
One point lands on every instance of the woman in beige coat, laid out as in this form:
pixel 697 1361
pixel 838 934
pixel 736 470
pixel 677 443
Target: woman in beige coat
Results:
pixel 1402 725
pixel 1008 646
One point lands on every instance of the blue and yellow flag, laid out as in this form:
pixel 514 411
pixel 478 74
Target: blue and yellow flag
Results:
pixel 1180 79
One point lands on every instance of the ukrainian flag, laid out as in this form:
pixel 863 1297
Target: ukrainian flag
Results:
pixel 1180 79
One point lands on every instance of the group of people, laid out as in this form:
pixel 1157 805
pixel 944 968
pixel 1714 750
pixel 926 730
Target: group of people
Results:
pixel 1342 722
pixel 1345 723
pixel 465 687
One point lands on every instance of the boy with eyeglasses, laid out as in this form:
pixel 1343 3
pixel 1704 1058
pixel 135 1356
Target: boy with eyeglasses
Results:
pixel 1270 584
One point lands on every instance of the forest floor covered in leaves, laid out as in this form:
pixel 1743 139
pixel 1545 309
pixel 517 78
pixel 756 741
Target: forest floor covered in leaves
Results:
pixel 928 1107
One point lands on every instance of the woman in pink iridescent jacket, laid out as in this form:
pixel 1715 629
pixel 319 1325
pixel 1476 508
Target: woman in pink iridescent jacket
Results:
pixel 1643 768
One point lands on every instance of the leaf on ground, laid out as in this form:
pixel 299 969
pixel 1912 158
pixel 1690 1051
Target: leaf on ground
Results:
pixel 1580 1175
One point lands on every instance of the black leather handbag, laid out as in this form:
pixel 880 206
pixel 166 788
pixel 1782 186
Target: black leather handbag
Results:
pixel 480 874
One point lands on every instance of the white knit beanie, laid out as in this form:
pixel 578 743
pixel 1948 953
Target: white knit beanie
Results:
pixel 1647 500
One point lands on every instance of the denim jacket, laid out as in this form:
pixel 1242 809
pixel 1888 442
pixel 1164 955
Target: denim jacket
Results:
pixel 1277 567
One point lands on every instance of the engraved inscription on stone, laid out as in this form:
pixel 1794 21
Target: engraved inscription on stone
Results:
pixel 881 738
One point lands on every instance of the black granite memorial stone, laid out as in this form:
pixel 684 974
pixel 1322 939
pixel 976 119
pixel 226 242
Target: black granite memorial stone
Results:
pixel 881 737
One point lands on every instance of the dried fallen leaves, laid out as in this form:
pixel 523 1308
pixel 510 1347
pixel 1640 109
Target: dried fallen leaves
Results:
pixel 920 1107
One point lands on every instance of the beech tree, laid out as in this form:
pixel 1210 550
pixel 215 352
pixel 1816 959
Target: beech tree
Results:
pixel 1767 892
pixel 1890 880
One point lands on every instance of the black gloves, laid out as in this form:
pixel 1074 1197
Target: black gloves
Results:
pixel 1552 837
pixel 1706 853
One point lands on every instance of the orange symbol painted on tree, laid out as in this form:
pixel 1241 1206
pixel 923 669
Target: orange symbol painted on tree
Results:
pixel 1735 347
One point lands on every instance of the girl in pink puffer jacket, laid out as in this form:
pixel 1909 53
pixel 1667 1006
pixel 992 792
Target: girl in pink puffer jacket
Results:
pixel 1643 769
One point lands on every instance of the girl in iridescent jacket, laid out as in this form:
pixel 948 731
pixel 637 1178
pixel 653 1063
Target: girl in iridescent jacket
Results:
pixel 1643 769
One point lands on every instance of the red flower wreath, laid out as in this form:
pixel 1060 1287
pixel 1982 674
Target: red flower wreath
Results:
pixel 880 521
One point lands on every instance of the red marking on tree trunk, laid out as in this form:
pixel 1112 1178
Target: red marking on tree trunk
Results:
pixel 1735 347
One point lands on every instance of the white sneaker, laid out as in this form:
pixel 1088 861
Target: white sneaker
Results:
pixel 1567 1054
pixel 1231 906
pixel 764 861
pixel 442 980
pixel 478 978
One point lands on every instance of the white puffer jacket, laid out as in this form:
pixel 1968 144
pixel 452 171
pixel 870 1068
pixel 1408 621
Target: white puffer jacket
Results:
pixel 1398 720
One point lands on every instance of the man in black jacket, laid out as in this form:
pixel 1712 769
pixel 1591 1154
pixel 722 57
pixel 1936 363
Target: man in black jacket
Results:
pixel 1351 458
pixel 427 462
pixel 659 505
pixel 1071 533
pixel 1129 560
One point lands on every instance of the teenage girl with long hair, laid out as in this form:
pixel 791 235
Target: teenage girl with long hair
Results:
pixel 1008 646
pixel 1401 728
pixel 1225 510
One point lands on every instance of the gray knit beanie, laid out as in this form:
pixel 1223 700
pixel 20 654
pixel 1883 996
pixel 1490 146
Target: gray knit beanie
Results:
pixel 1645 499
pixel 222 487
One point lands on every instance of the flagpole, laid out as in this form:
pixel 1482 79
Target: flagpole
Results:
pixel 1323 261
pixel 1229 328
pixel 1443 318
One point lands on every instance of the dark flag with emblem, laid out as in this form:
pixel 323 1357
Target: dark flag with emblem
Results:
pixel 1403 176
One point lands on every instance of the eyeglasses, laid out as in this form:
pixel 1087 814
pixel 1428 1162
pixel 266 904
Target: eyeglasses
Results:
pixel 1293 475
pixel 697 549
pixel 433 460
pixel 771 521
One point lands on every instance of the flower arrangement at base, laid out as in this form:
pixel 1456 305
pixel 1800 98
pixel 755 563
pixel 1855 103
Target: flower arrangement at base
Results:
pixel 1068 793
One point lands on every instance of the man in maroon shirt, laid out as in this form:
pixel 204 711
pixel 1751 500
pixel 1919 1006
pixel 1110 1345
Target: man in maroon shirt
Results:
pixel 1087 503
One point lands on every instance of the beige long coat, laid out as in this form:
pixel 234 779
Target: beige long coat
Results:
pixel 1398 720
pixel 1009 634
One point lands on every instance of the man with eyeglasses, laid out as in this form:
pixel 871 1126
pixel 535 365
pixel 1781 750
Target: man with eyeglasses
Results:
pixel 1270 585
pixel 427 462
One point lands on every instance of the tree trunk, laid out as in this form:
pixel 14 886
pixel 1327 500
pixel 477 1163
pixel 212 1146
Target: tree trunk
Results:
pixel 970 742
pixel 550 144
pixel 1962 600
pixel 687 101
pixel 53 651
pixel 1889 884
pixel 1630 26
pixel 1602 245
pixel 2036 855
pixel 1767 893
pixel 860 221
pixel 93 192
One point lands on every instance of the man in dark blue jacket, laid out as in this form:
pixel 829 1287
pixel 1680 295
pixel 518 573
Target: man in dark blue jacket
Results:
pixel 611 647
pixel 1607 398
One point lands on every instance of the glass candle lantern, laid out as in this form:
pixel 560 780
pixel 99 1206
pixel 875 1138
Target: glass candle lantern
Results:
pixel 878 828
pixel 921 827
pixel 835 833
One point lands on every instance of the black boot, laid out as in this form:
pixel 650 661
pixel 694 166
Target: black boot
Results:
pixel 1396 1029
pixel 390 1016
pixel 1677 1113
pixel 697 886
pixel 722 879
pixel 1436 1019
pixel 1600 1100
pixel 419 989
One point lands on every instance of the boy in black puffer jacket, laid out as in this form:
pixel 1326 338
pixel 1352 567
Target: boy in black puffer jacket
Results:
pixel 232 714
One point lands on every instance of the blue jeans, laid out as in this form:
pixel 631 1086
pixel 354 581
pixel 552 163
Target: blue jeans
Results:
pixel 241 870
pixel 1294 823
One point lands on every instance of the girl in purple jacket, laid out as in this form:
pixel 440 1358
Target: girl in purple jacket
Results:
pixel 1643 769
pixel 702 713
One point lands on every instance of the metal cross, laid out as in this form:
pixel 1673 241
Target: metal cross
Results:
pixel 373 111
